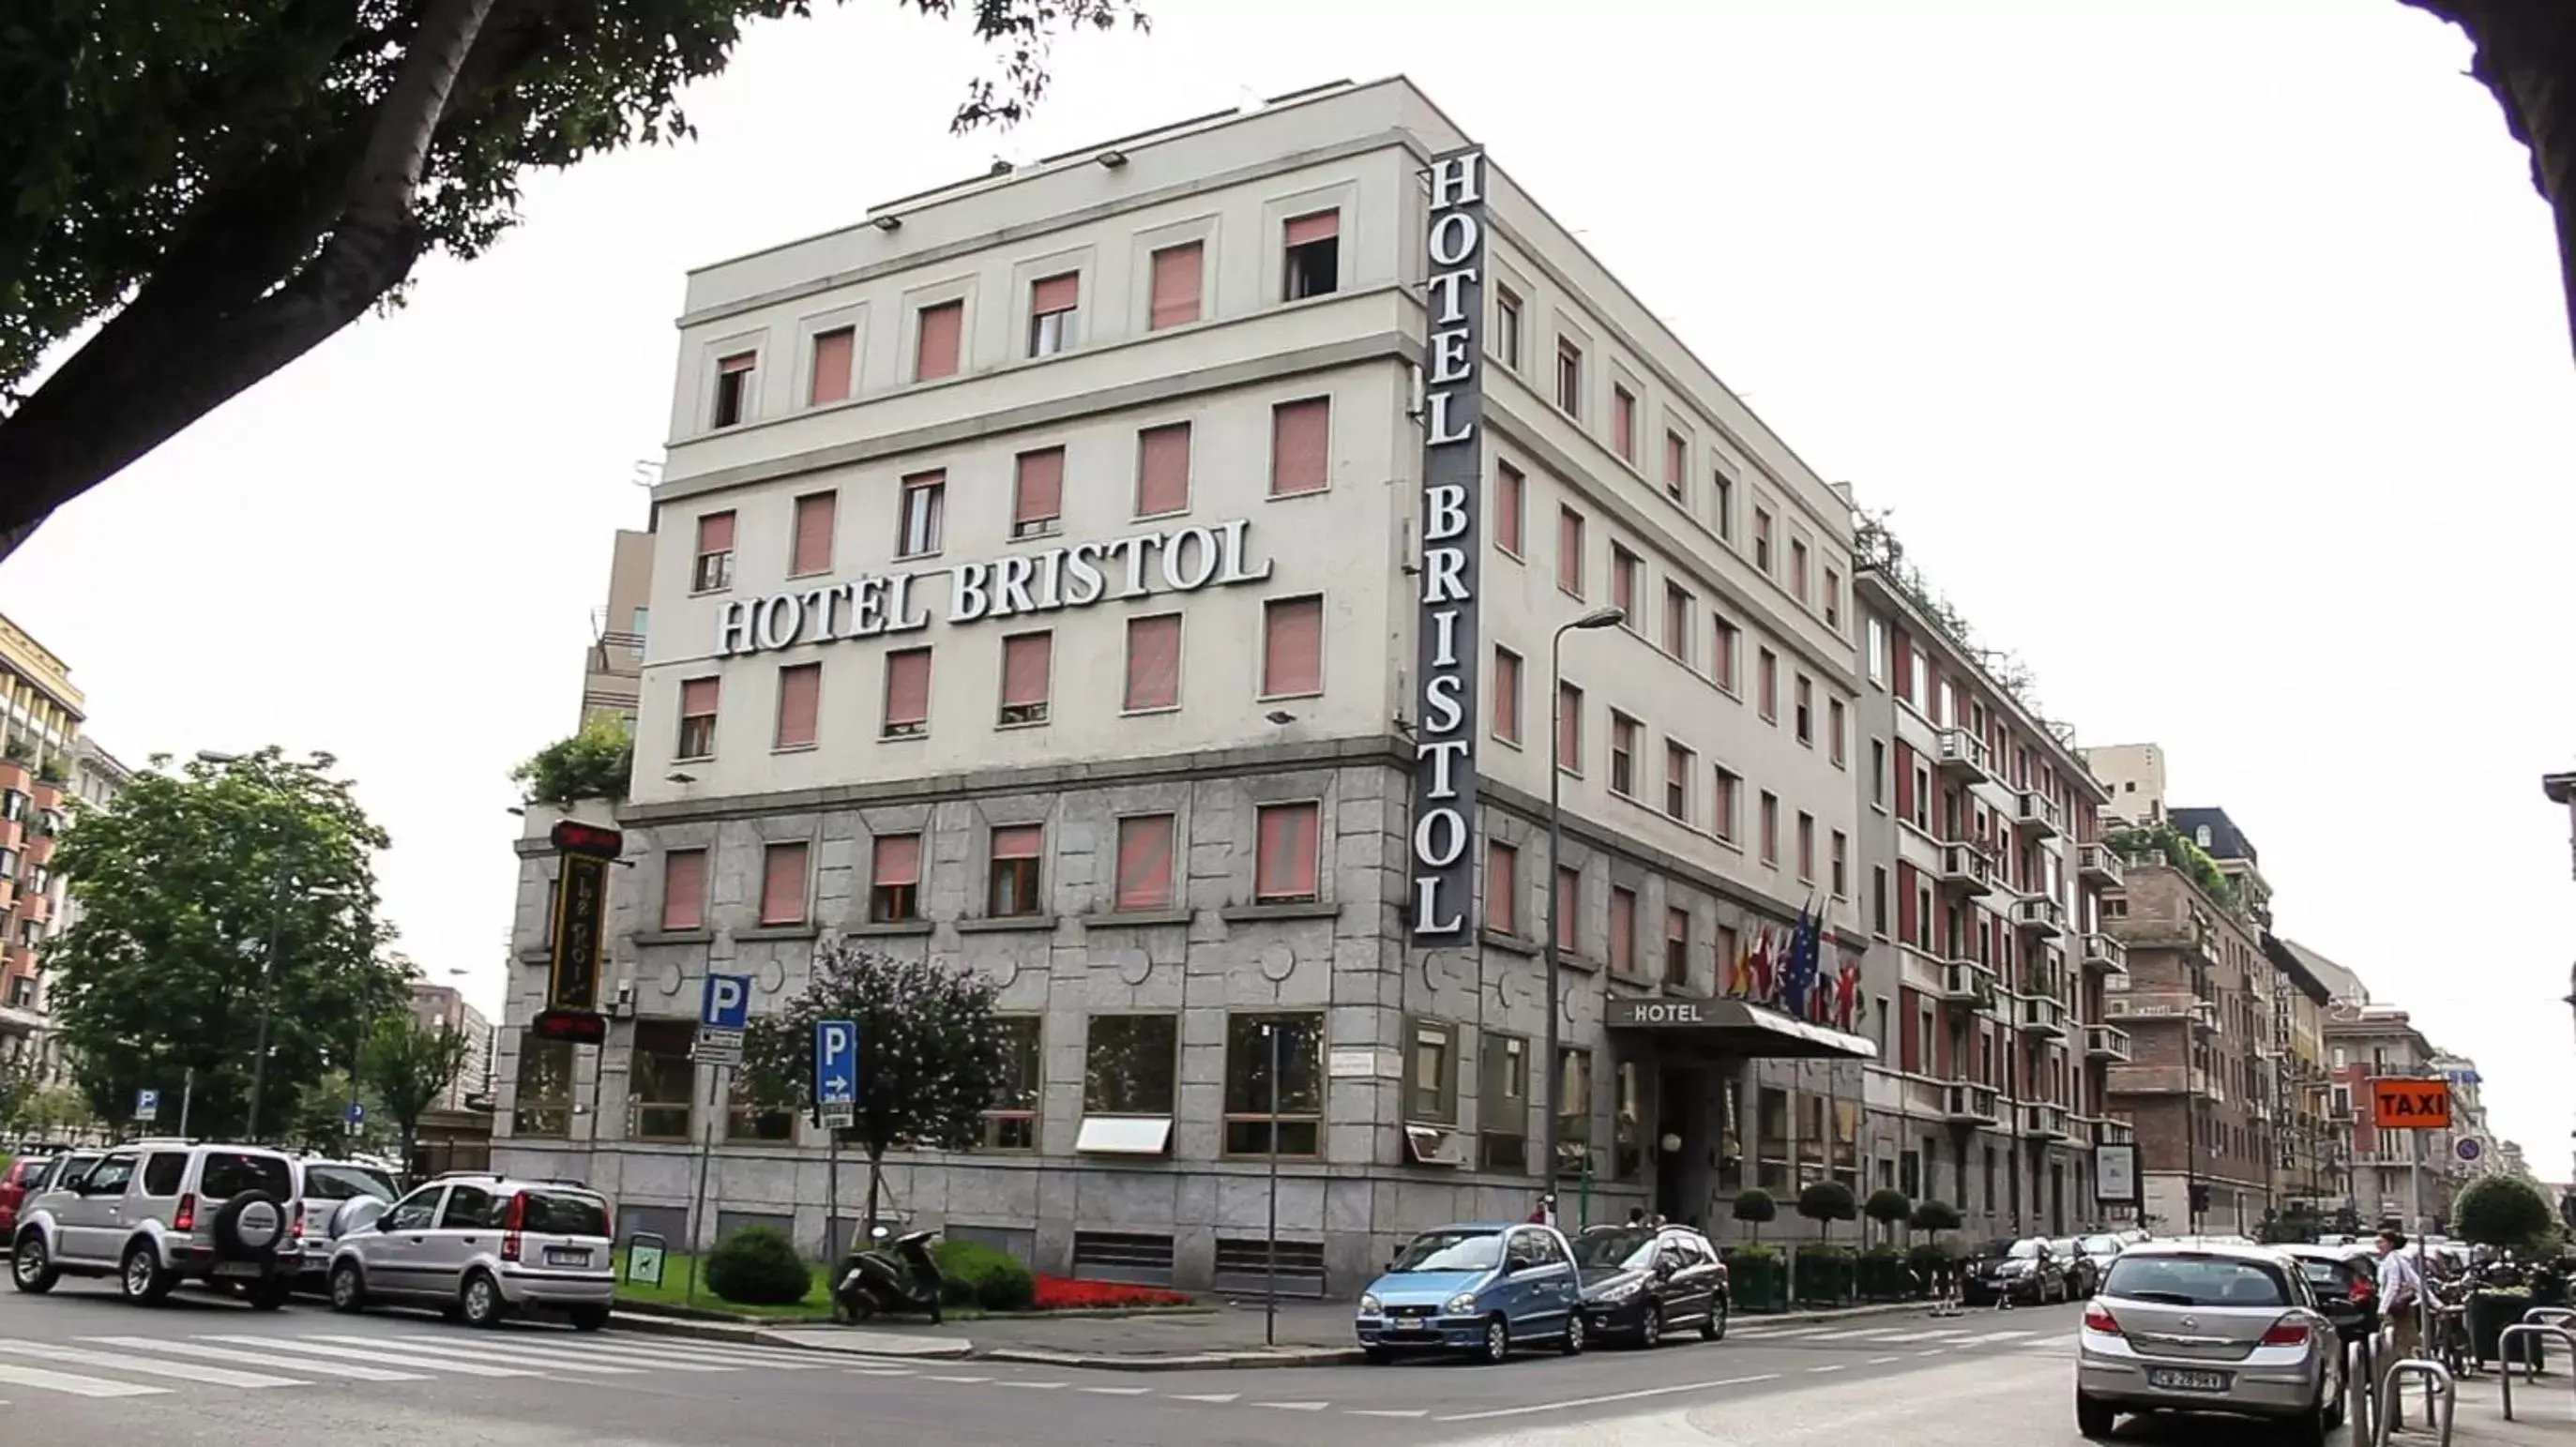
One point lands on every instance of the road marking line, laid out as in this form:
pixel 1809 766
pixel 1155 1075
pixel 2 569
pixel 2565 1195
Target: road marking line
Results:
pixel 626 1356
pixel 341 1370
pixel 1117 1391
pixel 1389 1412
pixel 961 1381
pixel 77 1386
pixel 1768 1335
pixel 891 1372
pixel 1924 1335
pixel 119 1361
pixel 1997 1336
pixel 791 1359
pixel 1933 1352
pixel 1638 1395
pixel 1031 1386
pixel 438 1351
pixel 1883 1361
pixel 1294 1406
pixel 1836 1367
pixel 388 1359
pixel 1860 1335
pixel 1220 1398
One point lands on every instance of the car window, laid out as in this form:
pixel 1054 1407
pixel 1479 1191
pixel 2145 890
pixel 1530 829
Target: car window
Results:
pixel 68 1170
pixel 111 1175
pixel 2198 1281
pixel 1544 1250
pixel 2065 1246
pixel 1623 1247
pixel 562 1213
pixel 1450 1251
pixel 346 1183
pixel 415 1211
pixel 2025 1250
pixel 162 1172
pixel 2101 1245
pixel 227 1174
pixel 1522 1254
pixel 468 1208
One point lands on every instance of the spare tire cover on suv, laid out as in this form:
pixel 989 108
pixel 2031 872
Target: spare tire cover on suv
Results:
pixel 250 1224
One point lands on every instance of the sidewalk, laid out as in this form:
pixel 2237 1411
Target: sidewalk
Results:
pixel 2544 1413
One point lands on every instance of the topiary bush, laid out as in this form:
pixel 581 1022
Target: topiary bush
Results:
pixel 1889 1208
pixel 1935 1216
pixel 984 1276
pixel 2502 1210
pixel 1753 1206
pixel 757 1266
pixel 1825 1202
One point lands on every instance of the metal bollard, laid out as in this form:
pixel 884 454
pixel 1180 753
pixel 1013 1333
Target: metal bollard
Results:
pixel 2437 1391
pixel 2551 1316
pixel 2538 1332
pixel 2360 1380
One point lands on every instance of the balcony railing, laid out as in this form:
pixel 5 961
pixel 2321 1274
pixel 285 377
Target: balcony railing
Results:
pixel 2107 1042
pixel 2102 952
pixel 2109 1132
pixel 1968 1101
pixel 2100 864
pixel 2040 913
pixel 2038 813
pixel 1962 755
pixel 1966 868
pixel 1965 982
pixel 2044 1015
pixel 2048 1122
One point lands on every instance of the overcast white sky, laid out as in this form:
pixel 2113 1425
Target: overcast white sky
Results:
pixel 2209 353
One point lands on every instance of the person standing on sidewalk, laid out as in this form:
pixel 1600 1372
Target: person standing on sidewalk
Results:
pixel 2401 1301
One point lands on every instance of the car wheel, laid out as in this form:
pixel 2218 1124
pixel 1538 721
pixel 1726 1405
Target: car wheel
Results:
pixel 480 1302
pixel 588 1318
pixel 1650 1329
pixel 1575 1331
pixel 141 1277
pixel 1713 1326
pixel 348 1288
pixel 2094 1419
pixel 1497 1345
pixel 31 1267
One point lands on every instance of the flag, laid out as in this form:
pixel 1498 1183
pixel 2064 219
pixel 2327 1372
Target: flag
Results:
pixel 1799 971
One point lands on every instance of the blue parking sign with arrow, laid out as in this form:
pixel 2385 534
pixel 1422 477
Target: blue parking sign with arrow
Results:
pixel 836 1064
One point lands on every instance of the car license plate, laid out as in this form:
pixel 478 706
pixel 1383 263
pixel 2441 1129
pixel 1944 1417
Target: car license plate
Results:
pixel 1410 1323
pixel 2174 1381
pixel 562 1256
pixel 237 1268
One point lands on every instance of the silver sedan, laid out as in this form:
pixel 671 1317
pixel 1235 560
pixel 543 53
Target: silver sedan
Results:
pixel 2208 1328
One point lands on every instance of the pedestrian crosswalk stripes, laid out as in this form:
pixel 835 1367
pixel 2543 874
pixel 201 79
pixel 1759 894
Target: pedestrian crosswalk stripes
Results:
pixel 341 1371
pixel 498 1355
pixel 291 1346
pixel 148 1366
pixel 78 1386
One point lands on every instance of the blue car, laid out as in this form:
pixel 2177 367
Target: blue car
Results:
pixel 1481 1288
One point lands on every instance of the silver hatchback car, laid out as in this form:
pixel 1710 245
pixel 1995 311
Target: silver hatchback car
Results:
pixel 2208 1328
pixel 480 1247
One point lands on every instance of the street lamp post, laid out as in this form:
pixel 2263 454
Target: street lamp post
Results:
pixel 1597 618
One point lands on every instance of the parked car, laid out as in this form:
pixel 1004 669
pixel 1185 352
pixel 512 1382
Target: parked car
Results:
pixel 2081 1274
pixel 156 1213
pixel 1481 1287
pixel 2099 1252
pixel 338 1196
pixel 1640 1281
pixel 22 1178
pixel 481 1247
pixel 2023 1272
pixel 2342 1273
pixel 2209 1328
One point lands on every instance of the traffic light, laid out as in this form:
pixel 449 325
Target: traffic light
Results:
pixel 2199 1198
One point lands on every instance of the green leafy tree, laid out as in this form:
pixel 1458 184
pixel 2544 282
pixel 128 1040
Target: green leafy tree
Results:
pixel 18 1089
pixel 320 1121
pixel 930 1052
pixel 409 1065
pixel 592 764
pixel 2503 1210
pixel 1889 1208
pixel 206 894
pixel 217 186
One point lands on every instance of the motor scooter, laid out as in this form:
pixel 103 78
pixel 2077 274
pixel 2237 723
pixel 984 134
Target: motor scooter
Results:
pixel 895 1275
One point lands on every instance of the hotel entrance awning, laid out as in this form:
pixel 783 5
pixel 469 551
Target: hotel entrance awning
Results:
pixel 1735 1029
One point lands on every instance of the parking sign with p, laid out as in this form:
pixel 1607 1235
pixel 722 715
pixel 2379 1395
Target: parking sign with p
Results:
pixel 836 1065
pixel 727 1005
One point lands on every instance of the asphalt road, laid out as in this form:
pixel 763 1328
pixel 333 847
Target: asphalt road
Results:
pixel 80 1366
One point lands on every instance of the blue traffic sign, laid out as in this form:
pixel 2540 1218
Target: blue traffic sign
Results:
pixel 836 1062
pixel 147 1105
pixel 727 1005
pixel 357 1113
pixel 2468 1148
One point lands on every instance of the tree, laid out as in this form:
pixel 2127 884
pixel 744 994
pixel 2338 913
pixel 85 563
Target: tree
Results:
pixel 19 1084
pixel 594 763
pixel 1889 1208
pixel 2503 1210
pixel 409 1065
pixel 1753 1206
pixel 1935 1217
pixel 930 1052
pixel 209 898
pixel 1825 1202
pixel 219 187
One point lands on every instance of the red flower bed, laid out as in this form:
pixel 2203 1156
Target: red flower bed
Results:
pixel 1060 1293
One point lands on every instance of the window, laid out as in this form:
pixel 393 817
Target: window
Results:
pixel 1131 1064
pixel 1762 540
pixel 1287 853
pixel 1721 501
pixel 936 349
pixel 1569 379
pixel 800 700
pixel 1676 467
pixel 809 547
pixel 1627 577
pixel 921 511
pixel 1314 255
pixel 1833 600
pixel 1037 493
pixel 1623 424
pixel 1054 307
pixel 1282 1113
pixel 1431 1072
pixel 1144 862
pixel 1153 663
pixel 747 1119
pixel 1798 569
pixel 1834 731
pixel 661 1080
pixel 1163 470
pixel 1568 907
pixel 1721 804
pixel 1770 828
pixel 1177 286
pixel 1807 847
pixel 714 567
pixel 1623 755
pixel 1804 719
pixel 1677 621
pixel 1502 1102
pixel 894 879
pixel 1677 947
pixel 1507 695
pixel 1014 884
pixel 907 694
pixel 1878 901
pixel 1574 1113
pixel 1677 776
pixel 1766 685
pixel 1721 653
pixel 1877 653
pixel 543 1102
pixel 834 351
pixel 1569 728
pixel 697 719
pixel 1028 677
pixel 1623 930
pixel 1011 1121
pixel 1502 887
pixel 684 890
pixel 1292 647
pixel 162 1171
pixel 1878 772
pixel 782 885
pixel 467 1208
pixel 1841 861
pixel 1300 446
pixel 1569 551
pixel 734 377
pixel 1505 344
pixel 1510 490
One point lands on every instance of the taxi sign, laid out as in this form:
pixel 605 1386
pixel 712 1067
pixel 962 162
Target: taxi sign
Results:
pixel 2397 1104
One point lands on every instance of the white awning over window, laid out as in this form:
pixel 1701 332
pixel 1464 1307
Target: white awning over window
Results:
pixel 1124 1135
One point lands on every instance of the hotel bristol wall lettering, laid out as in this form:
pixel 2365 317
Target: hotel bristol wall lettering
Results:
pixel 1182 560
pixel 1453 468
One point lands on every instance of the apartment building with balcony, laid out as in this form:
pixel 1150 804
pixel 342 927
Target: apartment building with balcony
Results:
pixel 42 760
pixel 1988 952
pixel 613 665
pixel 2311 1172
pixel 1044 594
pixel 2396 1174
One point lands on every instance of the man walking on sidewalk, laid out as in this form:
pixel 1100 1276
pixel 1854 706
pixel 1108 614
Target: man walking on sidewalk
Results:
pixel 2401 1301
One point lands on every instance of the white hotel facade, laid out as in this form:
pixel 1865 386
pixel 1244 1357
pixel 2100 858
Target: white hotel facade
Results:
pixel 1039 586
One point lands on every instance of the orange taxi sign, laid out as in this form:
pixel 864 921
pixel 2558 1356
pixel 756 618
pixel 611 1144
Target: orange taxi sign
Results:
pixel 2410 1104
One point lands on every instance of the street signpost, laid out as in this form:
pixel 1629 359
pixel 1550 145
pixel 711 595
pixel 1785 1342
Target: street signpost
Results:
pixel 357 1114
pixel 147 1105
pixel 836 1106
pixel 2468 1150
pixel 2399 1104
pixel 644 1258
pixel 724 1014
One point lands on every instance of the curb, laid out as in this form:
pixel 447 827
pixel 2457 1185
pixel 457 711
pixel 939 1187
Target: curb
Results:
pixel 1195 1361
pixel 1835 1313
pixel 652 1324
pixel 921 1348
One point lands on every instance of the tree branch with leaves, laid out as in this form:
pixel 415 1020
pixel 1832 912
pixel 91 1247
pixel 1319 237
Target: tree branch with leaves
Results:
pixel 408 1065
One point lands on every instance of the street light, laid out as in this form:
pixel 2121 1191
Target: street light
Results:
pixel 1597 618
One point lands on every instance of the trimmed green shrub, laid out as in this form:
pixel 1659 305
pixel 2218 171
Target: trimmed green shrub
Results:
pixel 758 1266
pixel 1753 1206
pixel 1825 1202
pixel 1935 1216
pixel 984 1276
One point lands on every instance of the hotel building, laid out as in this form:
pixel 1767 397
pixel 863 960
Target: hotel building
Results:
pixel 1142 577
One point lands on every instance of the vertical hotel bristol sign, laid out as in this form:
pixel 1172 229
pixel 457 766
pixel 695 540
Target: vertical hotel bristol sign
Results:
pixel 1444 745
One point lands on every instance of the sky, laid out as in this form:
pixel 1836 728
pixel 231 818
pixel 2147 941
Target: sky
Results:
pixel 2208 354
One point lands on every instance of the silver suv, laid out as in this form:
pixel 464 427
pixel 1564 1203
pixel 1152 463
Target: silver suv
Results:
pixel 480 1247
pixel 154 1213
